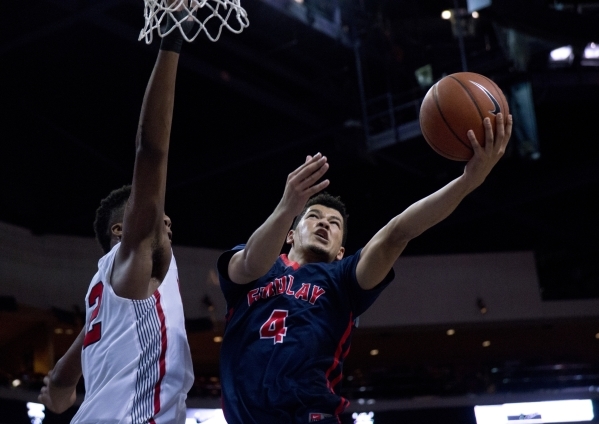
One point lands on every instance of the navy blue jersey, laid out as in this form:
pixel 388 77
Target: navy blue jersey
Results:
pixel 286 337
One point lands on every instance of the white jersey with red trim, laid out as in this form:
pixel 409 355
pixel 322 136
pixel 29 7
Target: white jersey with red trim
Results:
pixel 136 361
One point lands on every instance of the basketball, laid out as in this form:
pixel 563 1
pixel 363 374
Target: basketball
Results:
pixel 455 104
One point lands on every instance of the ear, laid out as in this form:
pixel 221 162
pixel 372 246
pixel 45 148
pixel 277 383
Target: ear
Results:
pixel 340 254
pixel 289 239
pixel 117 231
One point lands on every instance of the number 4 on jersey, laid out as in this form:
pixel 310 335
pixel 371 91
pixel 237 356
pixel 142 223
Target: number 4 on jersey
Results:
pixel 274 327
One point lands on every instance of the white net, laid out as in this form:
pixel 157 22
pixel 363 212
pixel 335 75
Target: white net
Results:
pixel 210 16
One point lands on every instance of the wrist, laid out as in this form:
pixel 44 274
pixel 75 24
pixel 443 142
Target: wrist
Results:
pixel 63 383
pixel 470 182
pixel 284 214
pixel 177 23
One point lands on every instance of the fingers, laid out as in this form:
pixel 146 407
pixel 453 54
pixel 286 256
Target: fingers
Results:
pixel 493 141
pixel 304 182
pixel 43 396
pixel 309 172
pixel 489 139
pixel 504 132
pixel 318 187
pixel 508 131
pixel 473 141
pixel 309 160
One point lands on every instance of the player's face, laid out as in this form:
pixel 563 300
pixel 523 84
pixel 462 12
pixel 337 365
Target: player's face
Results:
pixel 319 234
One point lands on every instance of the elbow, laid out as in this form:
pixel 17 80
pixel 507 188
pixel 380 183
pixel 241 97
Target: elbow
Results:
pixel 147 149
pixel 252 267
pixel 401 236
pixel 150 140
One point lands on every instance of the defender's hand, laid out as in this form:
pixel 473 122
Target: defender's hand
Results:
pixel 56 399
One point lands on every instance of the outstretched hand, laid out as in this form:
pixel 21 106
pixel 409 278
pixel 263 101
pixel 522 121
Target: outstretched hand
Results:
pixel 56 399
pixel 303 183
pixel 485 158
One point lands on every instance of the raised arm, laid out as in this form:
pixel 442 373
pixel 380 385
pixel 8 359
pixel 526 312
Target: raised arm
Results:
pixel 58 392
pixel 145 250
pixel 381 252
pixel 264 246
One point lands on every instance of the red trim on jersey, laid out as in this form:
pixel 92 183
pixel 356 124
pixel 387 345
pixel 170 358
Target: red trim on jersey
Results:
pixel 289 262
pixel 162 360
pixel 340 376
pixel 340 355
pixel 344 404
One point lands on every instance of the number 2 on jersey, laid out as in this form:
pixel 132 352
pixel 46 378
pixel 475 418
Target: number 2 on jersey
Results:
pixel 274 327
pixel 94 334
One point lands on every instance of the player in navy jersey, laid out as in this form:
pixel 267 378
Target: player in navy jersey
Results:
pixel 290 317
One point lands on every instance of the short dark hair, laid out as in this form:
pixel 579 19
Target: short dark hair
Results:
pixel 329 201
pixel 111 211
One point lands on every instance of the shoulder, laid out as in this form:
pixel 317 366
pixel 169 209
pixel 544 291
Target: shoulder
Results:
pixel 349 261
pixel 108 258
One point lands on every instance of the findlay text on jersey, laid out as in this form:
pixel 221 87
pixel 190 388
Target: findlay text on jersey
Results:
pixel 282 286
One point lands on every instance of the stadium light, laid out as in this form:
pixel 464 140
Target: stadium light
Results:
pixel 559 411
pixel 590 56
pixel 562 55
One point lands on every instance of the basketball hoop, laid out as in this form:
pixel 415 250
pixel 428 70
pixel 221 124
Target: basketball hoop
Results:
pixel 215 14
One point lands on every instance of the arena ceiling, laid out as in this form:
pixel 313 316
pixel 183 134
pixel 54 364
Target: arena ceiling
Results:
pixel 251 106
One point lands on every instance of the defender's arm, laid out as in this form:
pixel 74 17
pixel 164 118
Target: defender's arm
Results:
pixel 58 392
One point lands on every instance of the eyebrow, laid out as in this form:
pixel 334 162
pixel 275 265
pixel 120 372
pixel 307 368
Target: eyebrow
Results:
pixel 336 218
pixel 320 213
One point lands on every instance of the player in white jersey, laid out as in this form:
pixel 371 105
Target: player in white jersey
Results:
pixel 133 350
pixel 150 374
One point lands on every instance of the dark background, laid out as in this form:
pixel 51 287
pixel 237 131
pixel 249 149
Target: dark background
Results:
pixel 250 107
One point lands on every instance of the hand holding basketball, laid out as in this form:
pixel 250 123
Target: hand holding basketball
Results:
pixel 487 154
pixel 455 105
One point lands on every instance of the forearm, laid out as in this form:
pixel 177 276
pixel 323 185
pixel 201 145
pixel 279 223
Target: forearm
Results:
pixel 146 204
pixel 431 210
pixel 262 248
pixel 67 371
pixel 157 108
pixel 381 252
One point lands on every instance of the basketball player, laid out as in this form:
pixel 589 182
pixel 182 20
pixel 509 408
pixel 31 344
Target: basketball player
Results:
pixel 133 351
pixel 290 317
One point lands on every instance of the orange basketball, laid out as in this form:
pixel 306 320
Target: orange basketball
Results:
pixel 458 103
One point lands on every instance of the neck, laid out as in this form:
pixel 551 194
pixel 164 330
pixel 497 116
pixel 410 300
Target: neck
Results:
pixel 304 256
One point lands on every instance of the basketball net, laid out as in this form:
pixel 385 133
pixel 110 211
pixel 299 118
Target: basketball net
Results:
pixel 217 13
